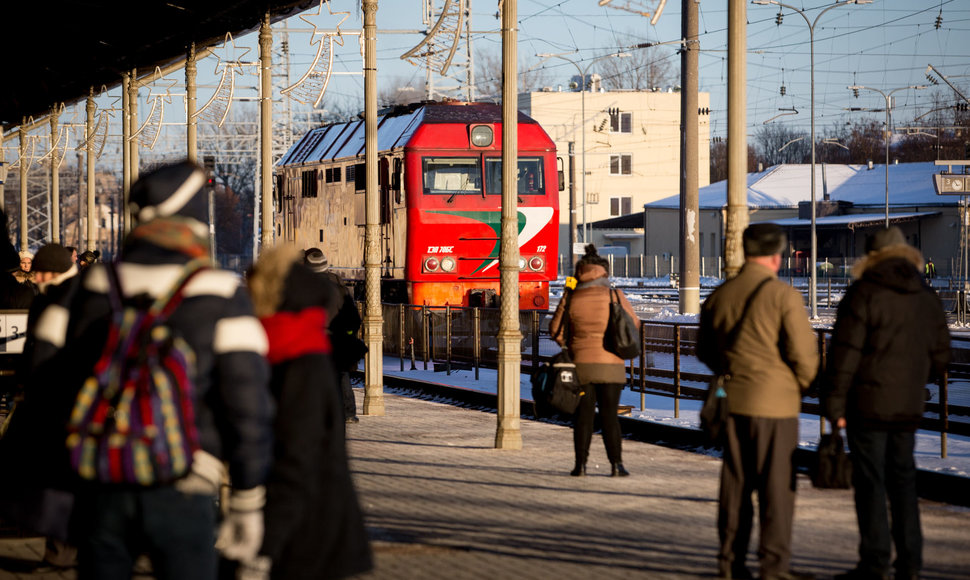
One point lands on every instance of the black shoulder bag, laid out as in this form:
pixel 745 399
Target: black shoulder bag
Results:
pixel 622 336
pixel 715 411
pixel 555 386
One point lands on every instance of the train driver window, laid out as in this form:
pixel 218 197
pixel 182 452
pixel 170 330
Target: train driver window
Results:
pixel 452 176
pixel 530 177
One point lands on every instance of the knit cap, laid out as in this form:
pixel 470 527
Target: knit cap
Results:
pixel 884 238
pixel 170 190
pixel 764 240
pixel 52 258
pixel 315 259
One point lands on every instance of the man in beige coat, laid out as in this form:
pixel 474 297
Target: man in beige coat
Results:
pixel 772 360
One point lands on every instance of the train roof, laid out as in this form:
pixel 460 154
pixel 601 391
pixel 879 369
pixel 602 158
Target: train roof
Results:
pixel 395 127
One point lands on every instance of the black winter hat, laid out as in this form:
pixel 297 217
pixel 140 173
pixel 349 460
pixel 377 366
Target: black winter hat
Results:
pixel 764 240
pixel 52 258
pixel 884 238
pixel 315 259
pixel 170 190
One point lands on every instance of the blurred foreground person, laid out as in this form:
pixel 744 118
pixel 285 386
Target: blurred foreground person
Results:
pixel 890 339
pixel 314 525
pixel 222 405
pixel 771 360
pixel 579 324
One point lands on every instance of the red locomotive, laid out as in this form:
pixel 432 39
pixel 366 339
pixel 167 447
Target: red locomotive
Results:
pixel 440 188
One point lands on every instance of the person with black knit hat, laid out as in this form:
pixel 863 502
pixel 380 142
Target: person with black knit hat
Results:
pixel 174 523
pixel 579 324
pixel 754 329
pixel 344 323
pixel 889 341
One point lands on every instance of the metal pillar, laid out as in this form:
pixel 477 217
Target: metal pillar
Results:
pixel 191 125
pixel 572 207
pixel 125 136
pixel 132 143
pixel 509 433
pixel 373 319
pixel 55 180
pixel 91 240
pixel 690 283
pixel 737 154
pixel 23 184
pixel 266 130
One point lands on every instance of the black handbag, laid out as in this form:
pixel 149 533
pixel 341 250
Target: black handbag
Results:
pixel 622 337
pixel 715 410
pixel 555 386
pixel 832 468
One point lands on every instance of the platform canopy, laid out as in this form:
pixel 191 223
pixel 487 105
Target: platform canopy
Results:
pixel 54 52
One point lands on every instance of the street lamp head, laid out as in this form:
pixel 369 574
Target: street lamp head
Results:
pixel 763 2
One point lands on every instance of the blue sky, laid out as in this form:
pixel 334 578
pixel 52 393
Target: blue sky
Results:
pixel 886 44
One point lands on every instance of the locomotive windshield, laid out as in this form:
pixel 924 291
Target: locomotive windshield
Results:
pixel 530 176
pixel 452 175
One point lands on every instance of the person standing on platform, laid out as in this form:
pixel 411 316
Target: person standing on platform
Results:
pixel 930 271
pixel 890 339
pixel 772 361
pixel 579 324
pixel 174 523
pixel 314 524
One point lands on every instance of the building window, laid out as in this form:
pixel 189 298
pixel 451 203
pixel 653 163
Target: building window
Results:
pixel 621 122
pixel 620 206
pixel 621 164
pixel 332 175
pixel 310 183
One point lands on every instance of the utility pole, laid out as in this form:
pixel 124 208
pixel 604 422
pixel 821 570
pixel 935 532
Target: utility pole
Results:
pixel 55 162
pixel 509 433
pixel 572 206
pixel 266 131
pixel 737 154
pixel 373 319
pixel 689 290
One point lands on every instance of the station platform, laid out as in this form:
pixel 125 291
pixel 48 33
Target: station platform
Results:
pixel 442 502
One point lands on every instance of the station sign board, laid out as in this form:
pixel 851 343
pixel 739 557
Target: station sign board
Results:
pixel 13 331
pixel 951 184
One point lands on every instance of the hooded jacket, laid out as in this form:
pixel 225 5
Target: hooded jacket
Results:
pixel 585 326
pixel 890 339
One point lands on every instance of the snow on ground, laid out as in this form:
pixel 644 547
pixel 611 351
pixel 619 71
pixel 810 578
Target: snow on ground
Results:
pixel 660 409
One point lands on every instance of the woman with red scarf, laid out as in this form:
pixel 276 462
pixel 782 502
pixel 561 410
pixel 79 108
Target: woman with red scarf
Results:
pixel 314 525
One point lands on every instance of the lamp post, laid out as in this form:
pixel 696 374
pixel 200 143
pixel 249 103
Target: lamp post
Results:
pixel 812 293
pixel 582 88
pixel 888 97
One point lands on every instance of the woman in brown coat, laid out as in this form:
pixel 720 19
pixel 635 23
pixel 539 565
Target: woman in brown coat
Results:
pixel 579 324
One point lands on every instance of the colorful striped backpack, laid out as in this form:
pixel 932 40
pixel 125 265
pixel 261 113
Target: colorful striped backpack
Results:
pixel 133 421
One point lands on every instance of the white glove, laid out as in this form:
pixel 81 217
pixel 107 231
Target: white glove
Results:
pixel 206 475
pixel 256 569
pixel 241 532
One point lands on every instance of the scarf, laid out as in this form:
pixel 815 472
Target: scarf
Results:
pixel 175 233
pixel 295 334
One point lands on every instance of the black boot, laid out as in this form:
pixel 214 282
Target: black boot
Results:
pixel 619 471
pixel 580 469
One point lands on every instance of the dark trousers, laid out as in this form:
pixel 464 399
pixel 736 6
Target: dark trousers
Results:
pixel 347 395
pixel 758 456
pixel 176 530
pixel 608 398
pixel 883 467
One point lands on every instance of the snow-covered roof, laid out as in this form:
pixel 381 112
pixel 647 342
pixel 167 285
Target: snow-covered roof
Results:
pixel 853 219
pixel 783 186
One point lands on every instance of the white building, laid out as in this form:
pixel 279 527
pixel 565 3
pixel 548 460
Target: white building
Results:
pixel 629 142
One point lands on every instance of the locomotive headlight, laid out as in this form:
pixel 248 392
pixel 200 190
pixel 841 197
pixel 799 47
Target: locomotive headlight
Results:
pixel 481 136
pixel 431 264
pixel 448 264
pixel 521 263
pixel 536 263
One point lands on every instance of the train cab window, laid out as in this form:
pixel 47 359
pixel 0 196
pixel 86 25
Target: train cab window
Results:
pixel 309 183
pixel 531 179
pixel 452 176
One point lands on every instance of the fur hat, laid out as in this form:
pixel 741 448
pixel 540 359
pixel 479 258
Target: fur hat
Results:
pixel 26 255
pixel 884 238
pixel 52 258
pixel 170 190
pixel 315 259
pixel 764 240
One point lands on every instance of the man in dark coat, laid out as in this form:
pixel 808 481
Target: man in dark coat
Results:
pixel 232 407
pixel 890 339
pixel 314 524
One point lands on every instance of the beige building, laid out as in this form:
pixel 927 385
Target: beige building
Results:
pixel 632 149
